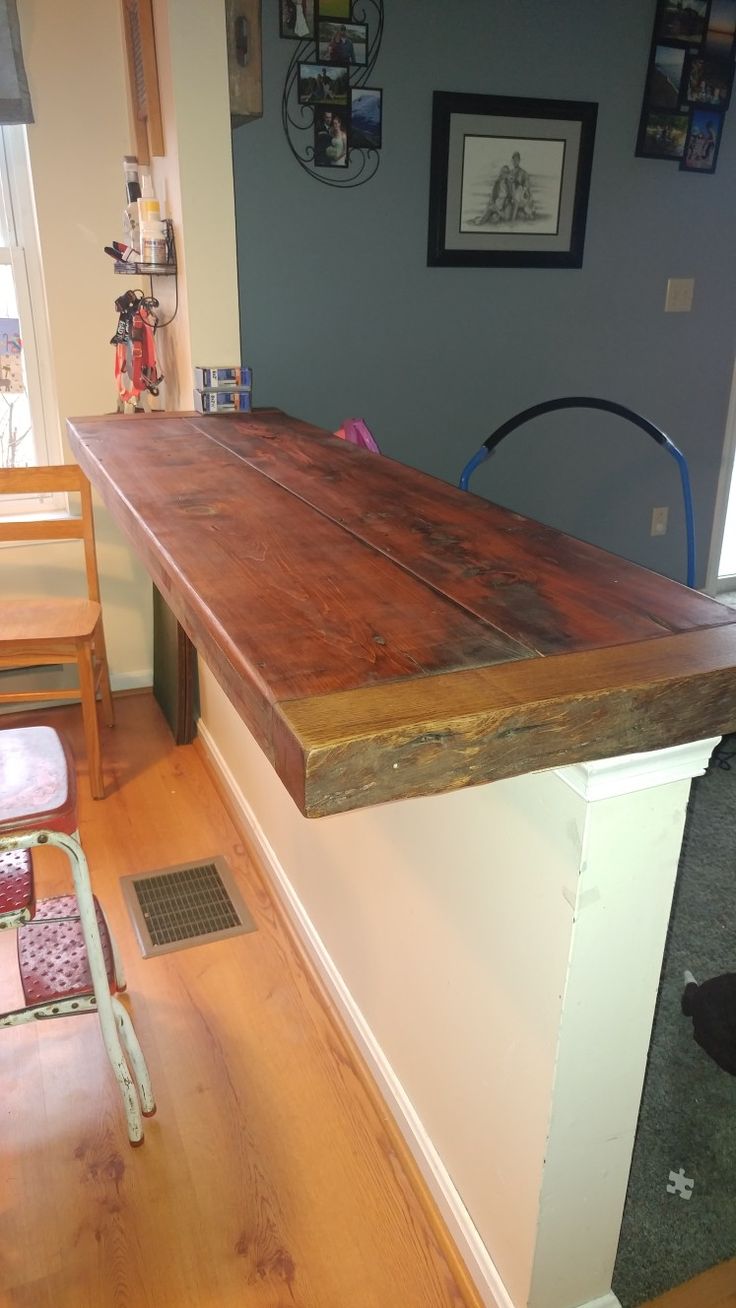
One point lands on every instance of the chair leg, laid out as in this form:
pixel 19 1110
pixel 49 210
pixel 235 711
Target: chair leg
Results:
pixel 135 1057
pixel 89 717
pixel 108 711
pixel 98 972
pixel 117 961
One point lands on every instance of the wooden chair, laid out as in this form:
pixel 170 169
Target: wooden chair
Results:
pixel 44 630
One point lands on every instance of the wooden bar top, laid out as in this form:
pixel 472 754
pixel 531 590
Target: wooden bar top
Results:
pixel 384 635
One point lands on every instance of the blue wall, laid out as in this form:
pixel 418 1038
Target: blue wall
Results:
pixel 342 317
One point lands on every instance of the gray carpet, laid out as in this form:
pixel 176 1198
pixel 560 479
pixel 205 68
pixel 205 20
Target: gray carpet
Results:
pixel 688 1113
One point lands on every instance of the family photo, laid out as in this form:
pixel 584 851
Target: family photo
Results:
pixel 701 147
pixel 664 135
pixel 330 138
pixel 342 43
pixel 510 185
pixel 708 79
pixel 319 84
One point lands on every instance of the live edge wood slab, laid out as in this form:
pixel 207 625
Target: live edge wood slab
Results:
pixel 384 635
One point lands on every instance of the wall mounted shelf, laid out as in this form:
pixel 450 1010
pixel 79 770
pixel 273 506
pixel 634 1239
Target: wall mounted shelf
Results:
pixel 131 269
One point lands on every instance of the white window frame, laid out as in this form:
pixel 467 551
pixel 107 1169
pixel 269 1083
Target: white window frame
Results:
pixel 23 253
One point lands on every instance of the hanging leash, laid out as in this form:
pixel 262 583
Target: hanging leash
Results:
pixel 136 366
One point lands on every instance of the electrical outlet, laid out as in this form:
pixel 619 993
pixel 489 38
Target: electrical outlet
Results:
pixel 659 522
pixel 679 298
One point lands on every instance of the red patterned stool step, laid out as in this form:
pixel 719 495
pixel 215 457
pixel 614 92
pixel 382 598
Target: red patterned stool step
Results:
pixel 16 888
pixel 52 956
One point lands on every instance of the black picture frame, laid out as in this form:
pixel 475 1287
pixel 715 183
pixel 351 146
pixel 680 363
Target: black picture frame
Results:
pixel 288 23
pixel 365 134
pixel 707 80
pixel 700 154
pixel 538 218
pixel 676 24
pixel 309 75
pixel 662 134
pixel 334 9
pixel 357 34
pixel 322 154
pixel 666 76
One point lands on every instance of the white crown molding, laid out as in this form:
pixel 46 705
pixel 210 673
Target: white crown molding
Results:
pixel 607 777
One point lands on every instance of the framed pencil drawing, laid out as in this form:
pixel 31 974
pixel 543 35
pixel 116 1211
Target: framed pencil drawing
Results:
pixel 509 180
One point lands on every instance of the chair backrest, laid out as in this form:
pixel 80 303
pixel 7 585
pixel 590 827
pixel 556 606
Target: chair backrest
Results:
pixel 49 479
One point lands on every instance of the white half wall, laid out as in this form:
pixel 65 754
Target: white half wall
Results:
pixel 496 953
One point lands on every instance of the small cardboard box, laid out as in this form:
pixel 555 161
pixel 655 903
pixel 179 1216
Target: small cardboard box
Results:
pixel 219 400
pixel 209 378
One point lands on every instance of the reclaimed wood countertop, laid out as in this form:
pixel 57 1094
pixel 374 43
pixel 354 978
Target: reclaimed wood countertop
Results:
pixel 384 635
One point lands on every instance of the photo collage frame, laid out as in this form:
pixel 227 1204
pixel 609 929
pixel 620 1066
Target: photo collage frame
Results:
pixel 689 83
pixel 347 115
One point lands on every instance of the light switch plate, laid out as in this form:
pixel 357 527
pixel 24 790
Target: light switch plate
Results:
pixel 679 298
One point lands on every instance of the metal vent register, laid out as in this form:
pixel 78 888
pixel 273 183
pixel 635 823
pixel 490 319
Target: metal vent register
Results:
pixel 191 904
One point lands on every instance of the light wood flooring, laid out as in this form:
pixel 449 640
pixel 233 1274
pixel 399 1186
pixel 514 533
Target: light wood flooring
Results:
pixel 269 1178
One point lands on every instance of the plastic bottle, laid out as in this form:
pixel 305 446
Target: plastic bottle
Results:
pixel 154 242
pixel 149 209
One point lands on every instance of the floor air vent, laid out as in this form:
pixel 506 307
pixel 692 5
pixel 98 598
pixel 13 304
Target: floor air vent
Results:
pixel 191 904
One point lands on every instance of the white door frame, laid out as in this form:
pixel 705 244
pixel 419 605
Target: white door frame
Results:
pixel 728 456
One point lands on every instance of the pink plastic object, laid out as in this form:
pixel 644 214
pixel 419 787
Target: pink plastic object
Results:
pixel 357 432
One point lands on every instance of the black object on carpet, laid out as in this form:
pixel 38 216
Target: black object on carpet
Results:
pixel 680 1215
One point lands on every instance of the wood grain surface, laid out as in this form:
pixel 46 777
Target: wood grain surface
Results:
pixel 385 635
pixel 271 1176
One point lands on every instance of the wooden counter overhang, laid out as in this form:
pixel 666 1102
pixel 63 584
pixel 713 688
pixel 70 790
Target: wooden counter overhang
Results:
pixel 384 635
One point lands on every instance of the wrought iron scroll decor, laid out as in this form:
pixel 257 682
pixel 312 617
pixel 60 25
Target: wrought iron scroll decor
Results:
pixel 298 119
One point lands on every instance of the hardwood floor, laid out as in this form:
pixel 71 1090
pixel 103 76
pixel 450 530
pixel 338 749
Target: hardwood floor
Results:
pixel 714 1289
pixel 269 1178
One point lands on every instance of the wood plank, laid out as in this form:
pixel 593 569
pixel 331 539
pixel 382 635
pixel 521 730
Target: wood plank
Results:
pixel 345 751
pixel 270 1174
pixel 545 589
pixel 382 634
pixel 282 604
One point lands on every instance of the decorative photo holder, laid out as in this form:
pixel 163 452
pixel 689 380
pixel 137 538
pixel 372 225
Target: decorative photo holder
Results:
pixel 330 70
pixel 689 83
pixel 509 181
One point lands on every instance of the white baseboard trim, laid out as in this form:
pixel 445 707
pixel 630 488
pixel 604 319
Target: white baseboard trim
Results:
pixel 119 681
pixel 142 680
pixel 454 1213
pixel 607 1301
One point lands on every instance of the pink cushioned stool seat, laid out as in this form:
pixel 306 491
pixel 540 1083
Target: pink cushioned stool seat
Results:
pixel 37 782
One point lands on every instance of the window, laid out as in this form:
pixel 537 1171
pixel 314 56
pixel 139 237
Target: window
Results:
pixel 29 423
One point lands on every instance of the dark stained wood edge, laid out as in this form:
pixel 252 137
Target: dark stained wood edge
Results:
pixel 251 697
pixel 345 751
